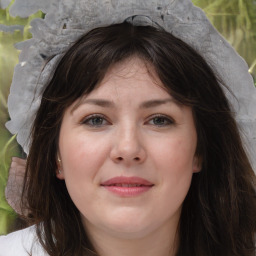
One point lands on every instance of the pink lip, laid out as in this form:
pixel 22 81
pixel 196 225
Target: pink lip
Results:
pixel 127 186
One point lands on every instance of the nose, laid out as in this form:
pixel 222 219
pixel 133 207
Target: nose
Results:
pixel 128 147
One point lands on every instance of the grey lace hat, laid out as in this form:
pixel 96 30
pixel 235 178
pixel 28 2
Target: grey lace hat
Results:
pixel 66 20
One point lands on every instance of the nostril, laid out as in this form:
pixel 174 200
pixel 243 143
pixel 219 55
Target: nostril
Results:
pixel 119 158
pixel 137 159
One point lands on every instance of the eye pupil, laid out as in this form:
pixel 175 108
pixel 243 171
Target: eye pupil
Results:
pixel 159 120
pixel 97 121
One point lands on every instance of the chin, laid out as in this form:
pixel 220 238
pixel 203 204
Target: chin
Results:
pixel 129 226
pixel 129 231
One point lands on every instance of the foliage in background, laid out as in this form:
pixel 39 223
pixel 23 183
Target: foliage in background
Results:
pixel 8 146
pixel 234 19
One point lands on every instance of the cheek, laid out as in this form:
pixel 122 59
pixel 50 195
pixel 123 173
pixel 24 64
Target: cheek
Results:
pixel 82 156
pixel 175 154
pixel 83 160
pixel 174 160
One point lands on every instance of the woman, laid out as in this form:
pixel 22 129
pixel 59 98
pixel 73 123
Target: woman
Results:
pixel 135 150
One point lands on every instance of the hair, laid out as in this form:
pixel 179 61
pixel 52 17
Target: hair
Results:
pixel 218 214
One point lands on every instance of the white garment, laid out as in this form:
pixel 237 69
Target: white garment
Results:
pixel 21 243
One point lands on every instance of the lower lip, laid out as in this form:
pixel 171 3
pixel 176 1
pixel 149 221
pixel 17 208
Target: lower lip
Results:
pixel 128 191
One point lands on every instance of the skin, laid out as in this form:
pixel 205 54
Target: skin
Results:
pixel 126 138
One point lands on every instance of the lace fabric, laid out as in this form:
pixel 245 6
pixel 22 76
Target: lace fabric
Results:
pixel 66 20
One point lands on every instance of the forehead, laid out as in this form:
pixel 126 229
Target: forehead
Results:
pixel 131 82
pixel 132 75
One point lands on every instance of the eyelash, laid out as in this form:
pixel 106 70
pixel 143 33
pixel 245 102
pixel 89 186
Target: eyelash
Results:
pixel 93 117
pixel 166 119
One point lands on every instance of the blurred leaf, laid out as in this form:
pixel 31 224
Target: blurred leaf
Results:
pixel 8 145
pixel 236 21
pixel 7 215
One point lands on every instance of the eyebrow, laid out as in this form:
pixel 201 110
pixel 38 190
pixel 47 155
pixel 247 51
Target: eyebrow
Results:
pixel 109 104
pixel 155 103
pixel 98 102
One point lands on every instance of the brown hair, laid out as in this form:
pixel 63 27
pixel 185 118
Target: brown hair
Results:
pixel 218 214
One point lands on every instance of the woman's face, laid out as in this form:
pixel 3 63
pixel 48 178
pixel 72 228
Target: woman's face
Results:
pixel 128 153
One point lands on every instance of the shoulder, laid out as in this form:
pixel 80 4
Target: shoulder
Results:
pixel 21 243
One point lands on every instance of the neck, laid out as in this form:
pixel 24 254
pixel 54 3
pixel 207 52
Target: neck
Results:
pixel 162 242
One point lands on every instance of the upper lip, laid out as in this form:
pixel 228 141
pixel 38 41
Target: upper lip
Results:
pixel 126 180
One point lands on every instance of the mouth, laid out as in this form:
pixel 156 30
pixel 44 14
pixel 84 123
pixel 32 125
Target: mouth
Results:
pixel 127 186
pixel 124 185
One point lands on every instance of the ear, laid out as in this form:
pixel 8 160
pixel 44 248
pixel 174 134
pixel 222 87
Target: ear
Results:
pixel 197 164
pixel 60 175
pixel 59 171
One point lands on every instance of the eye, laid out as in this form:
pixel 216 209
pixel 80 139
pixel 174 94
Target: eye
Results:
pixel 161 120
pixel 95 120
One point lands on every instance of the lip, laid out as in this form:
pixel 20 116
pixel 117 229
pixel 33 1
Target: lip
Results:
pixel 127 186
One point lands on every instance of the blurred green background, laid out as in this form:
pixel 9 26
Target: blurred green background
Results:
pixel 234 19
